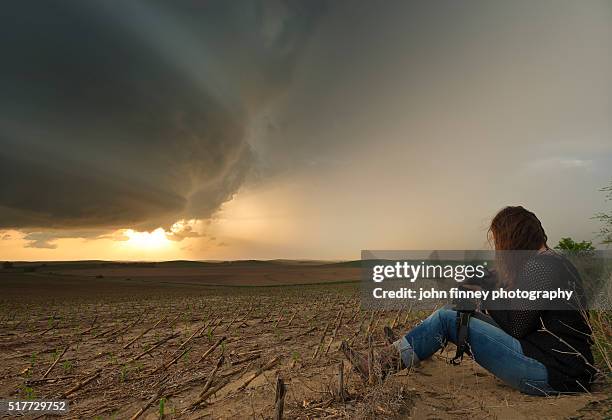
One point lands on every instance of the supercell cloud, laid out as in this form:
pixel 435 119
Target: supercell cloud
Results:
pixel 135 114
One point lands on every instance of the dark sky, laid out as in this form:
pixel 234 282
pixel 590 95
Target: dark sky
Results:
pixel 303 128
pixel 134 114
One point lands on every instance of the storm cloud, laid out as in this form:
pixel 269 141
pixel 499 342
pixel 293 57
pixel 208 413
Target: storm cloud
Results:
pixel 298 129
pixel 135 114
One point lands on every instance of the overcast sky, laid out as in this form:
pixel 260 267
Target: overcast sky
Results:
pixel 297 129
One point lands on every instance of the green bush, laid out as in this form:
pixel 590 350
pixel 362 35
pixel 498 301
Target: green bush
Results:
pixel 568 244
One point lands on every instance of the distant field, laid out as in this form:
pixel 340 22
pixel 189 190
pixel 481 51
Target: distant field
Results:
pixel 229 276
pixel 242 273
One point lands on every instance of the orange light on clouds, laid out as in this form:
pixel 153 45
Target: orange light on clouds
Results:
pixel 155 240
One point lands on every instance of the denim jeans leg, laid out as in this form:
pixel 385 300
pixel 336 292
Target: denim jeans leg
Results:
pixel 492 348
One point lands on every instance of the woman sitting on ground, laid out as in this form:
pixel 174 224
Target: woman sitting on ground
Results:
pixel 539 352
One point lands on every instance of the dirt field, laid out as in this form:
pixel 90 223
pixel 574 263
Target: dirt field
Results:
pixel 118 344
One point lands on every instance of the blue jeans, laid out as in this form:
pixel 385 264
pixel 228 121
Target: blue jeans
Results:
pixel 492 348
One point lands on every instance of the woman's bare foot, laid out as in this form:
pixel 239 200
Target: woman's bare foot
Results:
pixel 389 335
pixel 359 362
pixel 387 362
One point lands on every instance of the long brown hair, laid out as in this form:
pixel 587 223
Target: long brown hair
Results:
pixel 515 228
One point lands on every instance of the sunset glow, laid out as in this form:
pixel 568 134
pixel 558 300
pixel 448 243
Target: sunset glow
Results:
pixel 154 240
